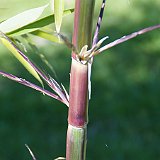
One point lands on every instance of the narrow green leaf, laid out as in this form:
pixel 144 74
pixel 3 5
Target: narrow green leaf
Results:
pixel 20 56
pixel 58 11
pixel 46 36
pixel 21 19
pixel 37 24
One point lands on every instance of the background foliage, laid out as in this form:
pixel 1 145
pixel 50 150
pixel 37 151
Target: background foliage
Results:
pixel 124 109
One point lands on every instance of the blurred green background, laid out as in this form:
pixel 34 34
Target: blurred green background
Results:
pixel 124 112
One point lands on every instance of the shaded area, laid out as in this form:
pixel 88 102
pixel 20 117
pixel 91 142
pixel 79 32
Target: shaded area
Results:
pixel 124 109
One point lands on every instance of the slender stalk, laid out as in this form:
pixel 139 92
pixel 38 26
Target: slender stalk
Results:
pixel 78 102
pixel 128 37
pixel 95 37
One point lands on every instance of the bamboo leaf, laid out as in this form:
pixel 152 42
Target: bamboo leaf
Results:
pixel 36 25
pixel 21 19
pixel 46 36
pixel 18 54
pixel 35 50
pixel 58 11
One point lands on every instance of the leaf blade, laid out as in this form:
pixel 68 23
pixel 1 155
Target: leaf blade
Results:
pixel 58 11
pixel 46 36
pixel 21 19
pixel 21 57
pixel 37 24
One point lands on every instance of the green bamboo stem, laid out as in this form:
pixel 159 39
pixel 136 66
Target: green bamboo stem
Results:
pixel 77 139
pixel 83 20
pixel 78 102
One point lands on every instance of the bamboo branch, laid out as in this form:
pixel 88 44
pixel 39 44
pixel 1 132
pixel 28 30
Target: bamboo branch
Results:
pixel 94 43
pixel 48 79
pixel 95 38
pixel 126 38
pixel 33 86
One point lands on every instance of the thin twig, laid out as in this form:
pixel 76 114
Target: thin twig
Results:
pixel 31 153
pixel 95 38
pixel 68 43
pixel 126 38
pixel 31 85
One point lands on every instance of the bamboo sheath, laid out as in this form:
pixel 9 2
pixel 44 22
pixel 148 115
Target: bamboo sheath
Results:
pixel 78 94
